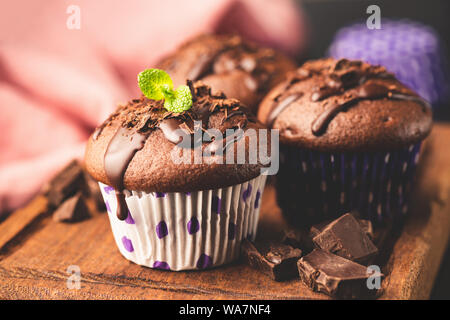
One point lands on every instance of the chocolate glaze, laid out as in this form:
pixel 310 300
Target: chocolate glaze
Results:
pixel 284 100
pixel 118 155
pixel 202 66
pixel 366 91
pixel 141 117
pixel 280 106
pixel 215 145
pixel 121 150
pixel 400 96
pixel 232 114
pixel 221 59
pixel 172 130
pixel 323 92
pixel 350 82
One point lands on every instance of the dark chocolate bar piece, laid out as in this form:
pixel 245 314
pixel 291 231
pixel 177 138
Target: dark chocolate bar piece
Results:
pixel 277 260
pixel 335 276
pixel 317 228
pixel 298 238
pixel 73 209
pixel 345 237
pixel 65 184
pixel 366 225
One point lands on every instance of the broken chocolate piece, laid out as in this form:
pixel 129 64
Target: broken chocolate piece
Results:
pixel 65 184
pixel 73 209
pixel 345 237
pixel 335 276
pixel 366 225
pixel 317 228
pixel 277 260
pixel 298 238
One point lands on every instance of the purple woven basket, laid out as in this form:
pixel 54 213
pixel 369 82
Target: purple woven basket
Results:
pixel 412 51
pixel 314 186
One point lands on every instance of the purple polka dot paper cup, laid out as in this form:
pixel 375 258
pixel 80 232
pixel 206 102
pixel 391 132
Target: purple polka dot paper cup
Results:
pixel 186 231
pixel 314 186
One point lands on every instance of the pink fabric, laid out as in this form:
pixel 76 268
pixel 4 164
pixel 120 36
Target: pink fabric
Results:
pixel 57 84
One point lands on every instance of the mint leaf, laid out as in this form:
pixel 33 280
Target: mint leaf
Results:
pixel 180 101
pixel 155 83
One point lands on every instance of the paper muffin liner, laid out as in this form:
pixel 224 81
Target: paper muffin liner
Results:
pixel 411 50
pixel 182 231
pixel 314 186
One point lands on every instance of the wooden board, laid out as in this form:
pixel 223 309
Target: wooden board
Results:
pixel 35 252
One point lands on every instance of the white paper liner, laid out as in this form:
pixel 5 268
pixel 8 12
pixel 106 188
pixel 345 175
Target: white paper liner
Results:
pixel 182 231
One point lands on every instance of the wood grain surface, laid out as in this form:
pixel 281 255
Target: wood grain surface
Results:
pixel 35 252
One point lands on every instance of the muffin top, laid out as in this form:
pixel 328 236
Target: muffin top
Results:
pixel 134 148
pixel 343 105
pixel 240 69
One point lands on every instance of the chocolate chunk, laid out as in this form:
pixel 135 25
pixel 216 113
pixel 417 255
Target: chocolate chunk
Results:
pixel 366 225
pixel 317 228
pixel 277 260
pixel 65 184
pixel 334 275
pixel 298 238
pixel 73 209
pixel 345 237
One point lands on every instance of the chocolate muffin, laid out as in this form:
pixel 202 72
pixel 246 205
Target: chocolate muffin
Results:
pixel 350 135
pixel 227 63
pixel 169 209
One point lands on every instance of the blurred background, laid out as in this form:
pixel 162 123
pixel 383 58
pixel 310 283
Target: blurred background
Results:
pixel 327 17
pixel 65 64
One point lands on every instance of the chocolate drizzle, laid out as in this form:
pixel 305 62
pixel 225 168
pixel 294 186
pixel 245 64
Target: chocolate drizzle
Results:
pixel 425 104
pixel 369 90
pixel 201 67
pixel 346 83
pixel 172 130
pixel 285 99
pixel 223 54
pixel 118 155
pixel 141 117
pixel 214 146
pixel 280 106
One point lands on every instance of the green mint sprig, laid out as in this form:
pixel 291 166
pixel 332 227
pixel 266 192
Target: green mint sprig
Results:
pixel 156 84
